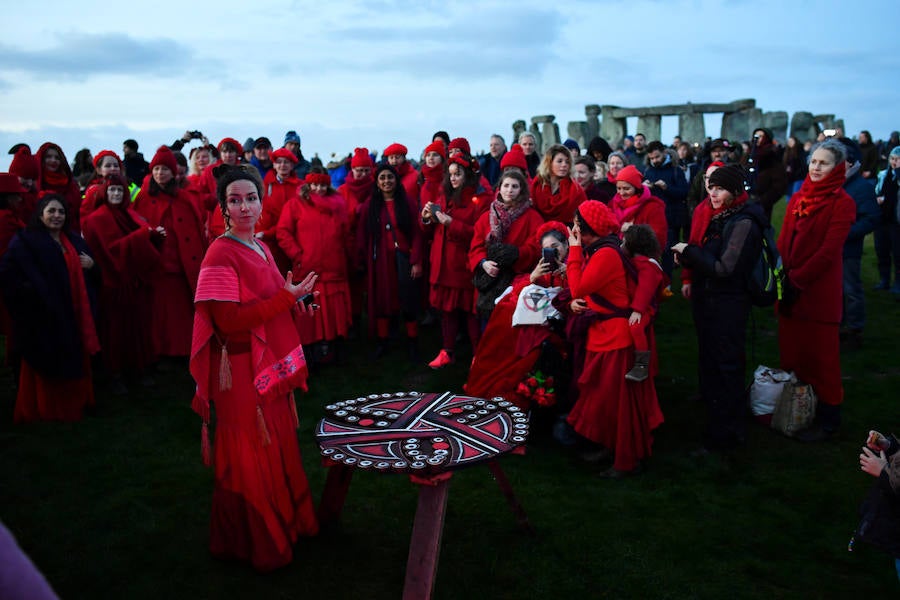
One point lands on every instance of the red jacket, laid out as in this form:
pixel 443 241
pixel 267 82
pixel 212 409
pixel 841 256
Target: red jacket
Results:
pixel 451 243
pixel 67 189
pixel 356 193
pixel 810 250
pixel 649 210
pixel 561 205
pixel 650 284
pixel 276 195
pixel 521 234
pixel 315 236
pixel 605 276
pixel 409 178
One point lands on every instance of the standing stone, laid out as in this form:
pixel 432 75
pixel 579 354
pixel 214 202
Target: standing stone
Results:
pixel 691 127
pixel 592 112
pixel 839 124
pixel 737 126
pixel 577 130
pixel 549 131
pixel 518 129
pixel 650 126
pixel 538 138
pixel 612 129
pixel 777 122
pixel 803 126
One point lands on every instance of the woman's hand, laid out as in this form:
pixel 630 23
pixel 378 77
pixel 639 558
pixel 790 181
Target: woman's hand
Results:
pixel 304 287
pixel 427 217
pixel 578 306
pixel 443 218
pixel 871 463
pixel 542 268
pixel 574 235
pixel 686 290
pixel 415 271
pixel 490 267
pixel 86 261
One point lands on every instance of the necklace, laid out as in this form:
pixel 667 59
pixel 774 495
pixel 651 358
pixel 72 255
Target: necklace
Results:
pixel 255 246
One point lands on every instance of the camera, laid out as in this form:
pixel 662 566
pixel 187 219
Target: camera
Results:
pixel 196 135
pixel 549 255
pixel 307 299
pixel 434 208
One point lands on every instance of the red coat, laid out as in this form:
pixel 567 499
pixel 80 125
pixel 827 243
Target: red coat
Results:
pixel 356 193
pixel 521 233
pixel 68 189
pixel 648 210
pixel 276 195
pixel 648 291
pixel 603 275
pixel 450 249
pixel 409 178
pixel 561 205
pixel 314 234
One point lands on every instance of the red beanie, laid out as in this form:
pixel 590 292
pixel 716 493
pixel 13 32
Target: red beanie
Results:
pixel 514 158
pixel 283 153
pixel 238 147
pixel 9 184
pixel 631 175
pixel 103 153
pixel 464 161
pixel 598 216
pixel 361 158
pixel 24 164
pixel 460 144
pixel 320 178
pixel 551 226
pixel 437 146
pixel 395 148
pixel 166 158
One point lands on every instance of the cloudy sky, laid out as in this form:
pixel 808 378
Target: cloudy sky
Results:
pixel 346 74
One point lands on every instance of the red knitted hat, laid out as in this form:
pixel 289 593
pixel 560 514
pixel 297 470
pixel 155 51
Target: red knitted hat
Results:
pixel 24 164
pixel 9 184
pixel 514 158
pixel 437 146
pixel 103 153
pixel 283 153
pixel 463 161
pixel 166 158
pixel 361 158
pixel 320 178
pixel 552 226
pixel 630 174
pixel 395 148
pixel 238 147
pixel 598 216
pixel 460 143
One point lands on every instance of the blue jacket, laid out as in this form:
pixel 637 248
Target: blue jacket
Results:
pixel 676 185
pixel 868 214
pixel 490 168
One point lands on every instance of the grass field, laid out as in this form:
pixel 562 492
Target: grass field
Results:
pixel 117 506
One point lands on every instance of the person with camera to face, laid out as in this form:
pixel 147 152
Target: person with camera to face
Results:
pixel 186 138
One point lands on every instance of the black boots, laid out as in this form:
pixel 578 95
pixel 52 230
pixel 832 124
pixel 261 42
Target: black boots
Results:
pixel 641 369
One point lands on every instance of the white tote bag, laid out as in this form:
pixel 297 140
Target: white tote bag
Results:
pixel 535 305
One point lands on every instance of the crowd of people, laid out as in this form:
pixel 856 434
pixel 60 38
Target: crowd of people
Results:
pixel 251 265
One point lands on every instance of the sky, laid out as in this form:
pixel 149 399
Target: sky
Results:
pixel 347 74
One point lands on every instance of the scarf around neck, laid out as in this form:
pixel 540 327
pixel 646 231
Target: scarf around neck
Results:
pixel 501 218
pixel 812 195
pixel 705 213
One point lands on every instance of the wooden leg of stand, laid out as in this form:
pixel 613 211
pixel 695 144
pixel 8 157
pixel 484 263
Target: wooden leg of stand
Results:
pixel 425 545
pixel 334 494
pixel 507 490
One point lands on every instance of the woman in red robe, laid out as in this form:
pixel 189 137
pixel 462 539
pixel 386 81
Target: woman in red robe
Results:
pixel 356 191
pixel 127 249
pixel 313 233
pixel 280 185
pixel 55 176
pixel 390 251
pixel 246 359
pixel 554 193
pixel 617 414
pixel 106 163
pixel 163 203
pixel 811 243
pixel 634 205
pixel 395 155
pixel 450 221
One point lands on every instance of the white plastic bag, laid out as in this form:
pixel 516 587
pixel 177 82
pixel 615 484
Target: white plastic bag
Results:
pixel 535 306
pixel 768 384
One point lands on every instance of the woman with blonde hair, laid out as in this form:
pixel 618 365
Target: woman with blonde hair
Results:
pixel 554 192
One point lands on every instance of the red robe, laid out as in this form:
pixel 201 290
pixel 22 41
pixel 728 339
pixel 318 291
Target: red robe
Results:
pixel 409 178
pixel 181 253
pixel 808 334
pixel 276 195
pixel 644 209
pixel 66 186
pixel 314 235
pixel 610 410
pixel 128 261
pixel 356 192
pixel 561 205
pixel 261 499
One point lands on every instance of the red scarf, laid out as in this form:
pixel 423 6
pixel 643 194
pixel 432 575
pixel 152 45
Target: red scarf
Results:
pixel 323 204
pixel 59 179
pixel 624 210
pixel 502 218
pixel 705 213
pixel 360 188
pixel 80 301
pixel 812 194
pixel 435 173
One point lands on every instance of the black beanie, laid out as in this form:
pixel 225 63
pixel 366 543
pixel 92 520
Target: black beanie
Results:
pixel 730 178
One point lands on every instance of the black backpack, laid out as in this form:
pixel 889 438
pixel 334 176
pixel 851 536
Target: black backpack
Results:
pixel 765 279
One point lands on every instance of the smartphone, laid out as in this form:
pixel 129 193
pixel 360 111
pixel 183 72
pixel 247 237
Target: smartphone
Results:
pixel 549 255
pixel 434 207
pixel 307 299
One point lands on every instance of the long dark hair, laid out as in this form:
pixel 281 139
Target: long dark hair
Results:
pixel 36 224
pixel 470 181
pixel 376 206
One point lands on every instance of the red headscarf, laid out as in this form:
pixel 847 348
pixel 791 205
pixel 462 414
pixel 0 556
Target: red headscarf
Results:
pixel 812 194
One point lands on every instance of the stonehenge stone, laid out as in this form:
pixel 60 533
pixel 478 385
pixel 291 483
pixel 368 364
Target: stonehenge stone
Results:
pixel 519 128
pixel 691 127
pixel 650 126
pixel 804 127
pixel 592 112
pixel 538 139
pixel 577 130
pixel 777 121
pixel 549 131
pixel 612 129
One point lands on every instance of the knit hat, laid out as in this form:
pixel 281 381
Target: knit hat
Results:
pixel 9 184
pixel 463 161
pixel 101 154
pixel 166 158
pixel 598 216
pixel 283 153
pixel 631 175
pixel 621 156
pixel 552 226
pixel 437 146
pixel 24 164
pixel 514 158
pixel 232 141
pixel 262 141
pixel 395 148
pixel 320 178
pixel 248 145
pixel 573 146
pixel 361 158
pixel 291 136
pixel 730 178
pixel 460 143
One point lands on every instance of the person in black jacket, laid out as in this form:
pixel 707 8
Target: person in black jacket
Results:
pixel 768 179
pixel 720 264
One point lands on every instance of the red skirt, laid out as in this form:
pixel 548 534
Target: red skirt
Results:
pixel 261 499
pixel 449 299
pixel 812 350
pixel 614 412
pixel 42 399
pixel 334 316
pixel 173 315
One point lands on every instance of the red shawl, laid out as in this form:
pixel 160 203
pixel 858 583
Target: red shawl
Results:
pixel 502 218
pixel 812 194
pixel 559 206
pixel 80 299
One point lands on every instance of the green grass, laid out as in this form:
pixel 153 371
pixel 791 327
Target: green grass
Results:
pixel 117 506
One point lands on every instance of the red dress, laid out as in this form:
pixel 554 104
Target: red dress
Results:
pixel 122 245
pixel 559 206
pixel 181 253
pixel 809 332
pixel 261 499
pixel 450 279
pixel 314 234
pixel 610 410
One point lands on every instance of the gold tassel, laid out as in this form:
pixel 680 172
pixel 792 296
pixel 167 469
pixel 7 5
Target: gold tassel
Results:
pixel 224 371
pixel 261 426
pixel 294 410
pixel 205 446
